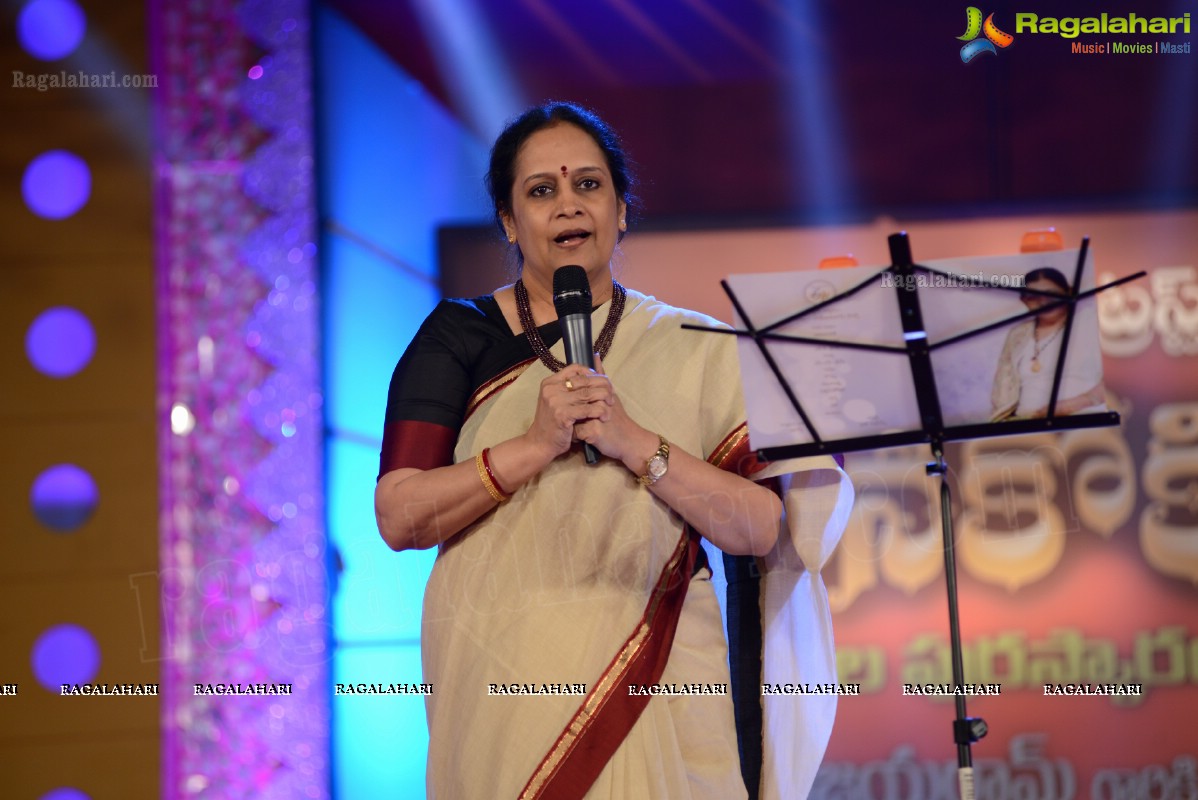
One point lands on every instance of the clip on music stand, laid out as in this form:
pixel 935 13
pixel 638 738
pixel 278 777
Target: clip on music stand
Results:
pixel 966 729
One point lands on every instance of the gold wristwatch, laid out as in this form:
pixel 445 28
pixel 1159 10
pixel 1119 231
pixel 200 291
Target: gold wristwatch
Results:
pixel 658 463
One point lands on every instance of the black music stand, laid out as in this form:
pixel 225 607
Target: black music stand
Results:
pixel 933 431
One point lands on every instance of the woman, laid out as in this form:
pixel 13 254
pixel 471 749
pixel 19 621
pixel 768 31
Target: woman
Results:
pixel 1027 366
pixel 551 574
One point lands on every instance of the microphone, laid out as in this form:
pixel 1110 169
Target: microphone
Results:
pixel 572 299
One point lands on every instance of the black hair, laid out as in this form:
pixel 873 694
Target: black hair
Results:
pixel 1048 274
pixel 501 175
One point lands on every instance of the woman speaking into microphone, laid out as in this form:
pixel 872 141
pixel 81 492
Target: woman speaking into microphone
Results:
pixel 557 585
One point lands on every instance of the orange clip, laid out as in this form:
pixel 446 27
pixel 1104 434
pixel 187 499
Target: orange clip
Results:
pixel 1041 241
pixel 838 262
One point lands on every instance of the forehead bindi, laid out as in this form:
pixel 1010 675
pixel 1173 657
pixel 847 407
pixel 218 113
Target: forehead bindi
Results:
pixel 562 150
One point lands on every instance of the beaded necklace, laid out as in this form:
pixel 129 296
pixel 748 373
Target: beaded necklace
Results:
pixel 602 344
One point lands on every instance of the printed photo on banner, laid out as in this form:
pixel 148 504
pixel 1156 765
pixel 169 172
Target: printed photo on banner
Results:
pixel 1008 372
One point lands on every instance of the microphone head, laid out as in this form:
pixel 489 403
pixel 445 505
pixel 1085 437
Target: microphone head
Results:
pixel 571 291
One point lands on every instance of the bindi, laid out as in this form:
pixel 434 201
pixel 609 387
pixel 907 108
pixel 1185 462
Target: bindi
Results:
pixel 564 170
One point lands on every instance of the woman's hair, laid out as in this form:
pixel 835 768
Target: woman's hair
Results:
pixel 1048 274
pixel 502 173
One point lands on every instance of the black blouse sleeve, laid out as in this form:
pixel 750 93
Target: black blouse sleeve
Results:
pixel 461 345
pixel 429 390
pixel 431 382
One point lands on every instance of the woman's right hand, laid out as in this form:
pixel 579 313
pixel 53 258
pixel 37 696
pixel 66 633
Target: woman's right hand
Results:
pixel 567 398
pixel 416 508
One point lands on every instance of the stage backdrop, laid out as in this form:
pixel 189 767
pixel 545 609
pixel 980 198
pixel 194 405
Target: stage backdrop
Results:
pixel 1078 552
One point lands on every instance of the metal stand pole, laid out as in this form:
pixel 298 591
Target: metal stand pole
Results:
pixel 966 729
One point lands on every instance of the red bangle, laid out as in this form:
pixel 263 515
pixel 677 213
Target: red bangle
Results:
pixel 491 474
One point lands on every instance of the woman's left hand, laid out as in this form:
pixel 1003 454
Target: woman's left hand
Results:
pixel 739 516
pixel 614 434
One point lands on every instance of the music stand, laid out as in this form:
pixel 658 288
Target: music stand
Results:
pixel 932 429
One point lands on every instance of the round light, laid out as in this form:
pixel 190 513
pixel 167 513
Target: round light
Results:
pixel 56 184
pixel 65 793
pixel 183 421
pixel 65 654
pixel 60 342
pixel 64 497
pixel 51 29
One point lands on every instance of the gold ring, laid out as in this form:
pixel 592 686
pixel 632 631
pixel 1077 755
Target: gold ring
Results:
pixel 569 385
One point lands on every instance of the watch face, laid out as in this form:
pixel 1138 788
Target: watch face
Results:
pixel 657 467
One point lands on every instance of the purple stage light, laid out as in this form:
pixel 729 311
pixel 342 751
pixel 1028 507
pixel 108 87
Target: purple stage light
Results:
pixel 64 497
pixel 56 184
pixel 60 342
pixel 65 793
pixel 65 654
pixel 51 29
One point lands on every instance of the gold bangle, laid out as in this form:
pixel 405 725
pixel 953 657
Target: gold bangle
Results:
pixel 491 474
pixel 496 495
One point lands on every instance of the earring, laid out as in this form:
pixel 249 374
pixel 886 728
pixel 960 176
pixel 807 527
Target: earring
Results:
pixel 511 238
pixel 623 225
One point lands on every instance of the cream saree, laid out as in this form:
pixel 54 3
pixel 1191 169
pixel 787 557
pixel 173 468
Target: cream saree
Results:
pixel 585 578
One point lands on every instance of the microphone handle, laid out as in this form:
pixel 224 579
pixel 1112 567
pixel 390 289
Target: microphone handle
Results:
pixel 576 330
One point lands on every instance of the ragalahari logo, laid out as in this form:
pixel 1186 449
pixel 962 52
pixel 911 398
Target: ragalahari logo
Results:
pixel 973 27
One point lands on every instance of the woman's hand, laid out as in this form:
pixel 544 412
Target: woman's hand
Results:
pixel 416 508
pixel 736 514
pixel 610 430
pixel 568 400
